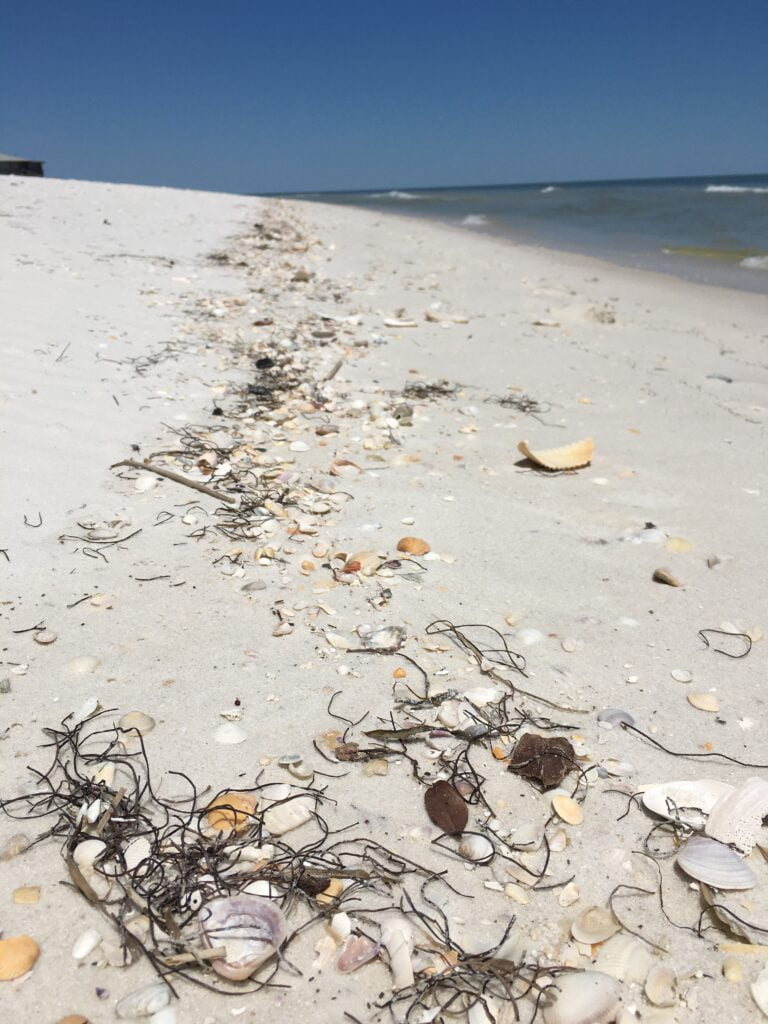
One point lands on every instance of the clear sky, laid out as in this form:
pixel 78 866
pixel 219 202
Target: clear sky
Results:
pixel 246 95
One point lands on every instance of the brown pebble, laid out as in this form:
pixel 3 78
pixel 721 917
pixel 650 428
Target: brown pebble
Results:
pixel 665 576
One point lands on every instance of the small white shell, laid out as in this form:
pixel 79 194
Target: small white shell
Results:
pixel 476 848
pixel 230 732
pixel 586 997
pixel 144 1002
pixel 595 924
pixel 625 957
pixel 689 801
pixel 83 665
pixel 283 817
pixel 86 853
pixel 717 865
pixel 86 709
pixel 136 721
pixel 85 943
pixel 737 817
pixel 661 986
pixel 137 851
pixel 45 636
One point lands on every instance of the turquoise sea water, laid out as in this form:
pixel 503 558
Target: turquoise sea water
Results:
pixel 710 229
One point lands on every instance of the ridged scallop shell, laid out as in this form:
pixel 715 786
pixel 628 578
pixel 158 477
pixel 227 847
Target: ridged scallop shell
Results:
pixel 595 924
pixel 717 865
pixel 569 456
pixel 586 997
pixel 737 817
pixel 626 958
pixel 689 801
pixel 251 928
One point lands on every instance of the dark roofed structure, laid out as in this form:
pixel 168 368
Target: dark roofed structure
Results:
pixel 18 165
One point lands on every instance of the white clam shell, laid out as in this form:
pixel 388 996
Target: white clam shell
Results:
pixel 595 924
pixel 688 801
pixel 144 1002
pixel 397 939
pixel 586 997
pixel 230 732
pixel 89 707
pixel 626 958
pixel 136 721
pixel 717 865
pixel 479 849
pixel 284 817
pixel 85 943
pixel 661 986
pixel 737 817
pixel 83 665
pixel 86 853
pixel 251 928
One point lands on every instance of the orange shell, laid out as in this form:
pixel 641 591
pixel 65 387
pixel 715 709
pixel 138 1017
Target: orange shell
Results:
pixel 231 811
pixel 570 456
pixel 17 956
pixel 413 546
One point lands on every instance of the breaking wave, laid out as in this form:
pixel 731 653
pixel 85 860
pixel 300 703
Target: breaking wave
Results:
pixel 755 262
pixel 475 220
pixel 735 188
pixel 393 194
pixel 550 188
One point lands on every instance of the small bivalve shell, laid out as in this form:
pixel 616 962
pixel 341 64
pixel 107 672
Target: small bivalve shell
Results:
pixel 231 811
pixel 595 924
pixel 144 1002
pixel 136 721
pixel 87 852
pixel 614 718
pixel 45 636
pixel 83 665
pixel 704 701
pixel 569 456
pixel 283 817
pixel 661 986
pixel 715 864
pixel 476 848
pixel 230 732
pixel 737 817
pixel 567 809
pixel 85 943
pixel 625 957
pixel 584 997
pixel 687 801
pixel 17 956
pixel 681 675
pixel 759 990
pixel 251 929
pixel 14 845
pixel 413 546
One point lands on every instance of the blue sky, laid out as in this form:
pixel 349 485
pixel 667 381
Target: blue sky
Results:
pixel 324 94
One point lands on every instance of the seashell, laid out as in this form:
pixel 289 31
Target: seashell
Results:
pixel 626 958
pixel 364 562
pixel 737 817
pixel 283 817
pixel 86 853
pixel 343 467
pixel 26 894
pixel 569 456
pixel 165 1016
pixel 397 939
pixel 482 695
pixel 528 636
pixel 681 675
pixel 476 848
pixel 85 943
pixel 584 997
pixel 665 576
pixel 386 638
pixel 759 990
pixel 340 926
pixel 144 1002
pixel 87 708
pixel 45 636
pixel 230 732
pixel 527 837
pixel 14 845
pixel 413 546
pixel 17 956
pixel 231 811
pixel 83 665
pixel 331 892
pixel 569 895
pixel 73 1018
pixel 136 853
pixel 251 929
pixel 595 924
pixel 356 951
pixel 732 970
pixel 568 809
pixel 717 865
pixel 704 701
pixel 101 601
pixel 661 986
pixel 689 801
pixel 136 721
pixel 613 718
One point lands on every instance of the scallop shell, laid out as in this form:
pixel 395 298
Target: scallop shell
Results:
pixel 688 801
pixel 144 1002
pixel 717 865
pixel 737 817
pixel 413 546
pixel 17 956
pixel 595 924
pixel 625 957
pixel 136 721
pixel 661 986
pixel 704 701
pixel 569 456
pixel 568 809
pixel 231 811
pixel 251 928
pixel 584 997
pixel 283 817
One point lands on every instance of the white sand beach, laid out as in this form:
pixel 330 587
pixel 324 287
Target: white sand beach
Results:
pixel 134 320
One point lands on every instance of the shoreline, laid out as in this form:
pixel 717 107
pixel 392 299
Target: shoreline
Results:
pixel 182 294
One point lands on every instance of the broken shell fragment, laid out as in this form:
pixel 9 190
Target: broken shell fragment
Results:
pixel 732 970
pixel 717 865
pixel 144 1002
pixel 413 546
pixel 614 718
pixel 737 816
pixel 290 814
pixel 665 576
pixel 17 956
pixel 688 801
pixel 397 939
pixel 625 957
pixel 356 951
pixel 586 997
pixel 569 456
pixel 759 990
pixel 595 924
pixel 704 701
pixel 250 928
pixel 230 732
pixel 231 811
pixel 386 638
pixel 661 986
pixel 26 894
pixel 136 721
pixel 567 809
pixel 83 666
pixel 14 845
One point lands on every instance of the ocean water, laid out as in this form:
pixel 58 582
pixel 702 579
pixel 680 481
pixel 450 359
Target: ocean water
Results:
pixel 708 229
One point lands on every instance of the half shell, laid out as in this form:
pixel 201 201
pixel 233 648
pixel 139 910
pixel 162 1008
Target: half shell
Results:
pixel 595 924
pixel 661 986
pixel 689 801
pixel 569 456
pixel 737 816
pixel 283 817
pixel 17 956
pixel 626 958
pixel 144 1002
pixel 717 865
pixel 231 811
pixel 586 997
pixel 251 928
pixel 759 990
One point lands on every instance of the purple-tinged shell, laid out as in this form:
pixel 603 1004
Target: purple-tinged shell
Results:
pixel 356 951
pixel 251 928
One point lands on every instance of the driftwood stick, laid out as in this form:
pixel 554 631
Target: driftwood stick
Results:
pixel 177 478
pixel 195 956
pixel 334 370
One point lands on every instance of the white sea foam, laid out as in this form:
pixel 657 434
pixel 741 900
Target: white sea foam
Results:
pixel 755 262
pixel 550 188
pixel 393 194
pixel 735 188
pixel 475 220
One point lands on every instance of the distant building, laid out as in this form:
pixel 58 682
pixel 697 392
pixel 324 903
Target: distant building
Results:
pixel 18 165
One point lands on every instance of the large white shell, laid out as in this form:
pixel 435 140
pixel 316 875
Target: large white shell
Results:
pixel 737 817
pixel 689 801
pixel 626 958
pixel 251 928
pixel 595 924
pixel 144 1002
pixel 717 865
pixel 586 997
